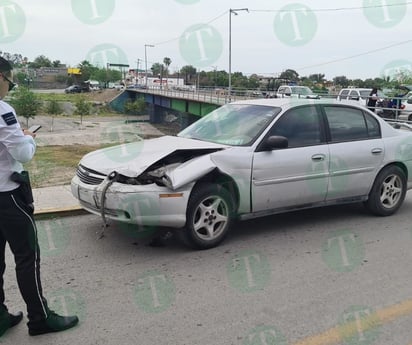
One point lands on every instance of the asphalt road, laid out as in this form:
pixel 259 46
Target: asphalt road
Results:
pixel 327 276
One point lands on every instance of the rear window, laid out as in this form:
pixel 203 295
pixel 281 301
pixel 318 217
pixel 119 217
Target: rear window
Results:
pixel 347 124
pixel 344 93
pixel 365 93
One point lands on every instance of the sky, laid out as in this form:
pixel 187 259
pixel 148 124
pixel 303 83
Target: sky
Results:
pixel 352 38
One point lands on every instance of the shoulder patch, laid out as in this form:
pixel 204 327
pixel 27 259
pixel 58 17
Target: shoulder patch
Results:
pixel 9 119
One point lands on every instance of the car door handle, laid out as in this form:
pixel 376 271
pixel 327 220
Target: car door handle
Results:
pixel 377 151
pixel 318 157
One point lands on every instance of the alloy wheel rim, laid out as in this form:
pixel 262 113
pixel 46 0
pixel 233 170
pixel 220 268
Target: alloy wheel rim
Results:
pixel 211 217
pixel 391 191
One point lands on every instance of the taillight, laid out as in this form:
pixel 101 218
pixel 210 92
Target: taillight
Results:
pixel 402 106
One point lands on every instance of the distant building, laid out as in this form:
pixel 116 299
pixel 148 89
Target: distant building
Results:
pixel 43 77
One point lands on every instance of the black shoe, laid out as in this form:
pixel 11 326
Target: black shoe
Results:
pixel 8 320
pixel 53 323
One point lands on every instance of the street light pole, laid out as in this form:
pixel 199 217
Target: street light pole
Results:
pixel 145 59
pixel 137 71
pixel 234 11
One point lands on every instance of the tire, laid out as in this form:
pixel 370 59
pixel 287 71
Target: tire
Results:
pixel 208 217
pixel 388 191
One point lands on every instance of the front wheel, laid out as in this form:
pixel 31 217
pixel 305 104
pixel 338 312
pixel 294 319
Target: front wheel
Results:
pixel 388 191
pixel 208 216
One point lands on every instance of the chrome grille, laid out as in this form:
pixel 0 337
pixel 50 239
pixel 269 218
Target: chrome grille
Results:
pixel 89 176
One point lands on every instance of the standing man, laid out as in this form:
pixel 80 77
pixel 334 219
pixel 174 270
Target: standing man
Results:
pixel 17 225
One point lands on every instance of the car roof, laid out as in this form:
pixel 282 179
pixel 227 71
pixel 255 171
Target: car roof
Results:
pixel 287 103
pixel 357 88
pixel 291 102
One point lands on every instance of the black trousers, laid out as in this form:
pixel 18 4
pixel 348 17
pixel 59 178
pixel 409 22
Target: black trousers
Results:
pixel 18 229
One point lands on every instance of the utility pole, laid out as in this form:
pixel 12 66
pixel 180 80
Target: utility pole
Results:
pixel 137 71
pixel 234 11
pixel 145 59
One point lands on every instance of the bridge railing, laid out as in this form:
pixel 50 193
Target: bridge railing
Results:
pixel 207 95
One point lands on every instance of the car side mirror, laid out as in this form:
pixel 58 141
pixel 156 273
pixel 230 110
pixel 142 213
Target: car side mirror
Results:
pixel 275 142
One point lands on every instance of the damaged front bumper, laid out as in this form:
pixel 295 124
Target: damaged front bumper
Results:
pixel 145 205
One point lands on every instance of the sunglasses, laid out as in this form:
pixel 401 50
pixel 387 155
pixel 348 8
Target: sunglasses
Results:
pixel 11 84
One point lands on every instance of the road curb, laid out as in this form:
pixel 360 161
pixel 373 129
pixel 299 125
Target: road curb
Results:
pixel 59 211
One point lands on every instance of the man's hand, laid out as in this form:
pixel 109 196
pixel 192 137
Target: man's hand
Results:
pixel 27 132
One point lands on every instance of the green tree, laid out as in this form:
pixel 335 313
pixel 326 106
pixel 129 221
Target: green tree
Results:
pixel 87 70
pixel 26 103
pixel 167 61
pixel 253 82
pixel 341 81
pixel 358 83
pixel 53 108
pixel 16 59
pixel 40 61
pixel 318 78
pixel 189 72
pixel 222 78
pixel 290 74
pixel 157 69
pixel 104 76
pixel 82 107
pixel 239 80
pixel 20 77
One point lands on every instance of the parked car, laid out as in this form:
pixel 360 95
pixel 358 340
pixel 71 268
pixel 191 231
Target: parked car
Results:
pixel 116 86
pixel 249 159
pixel 406 107
pixel 73 89
pixel 295 91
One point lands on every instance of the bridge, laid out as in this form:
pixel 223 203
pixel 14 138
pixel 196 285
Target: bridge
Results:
pixel 187 105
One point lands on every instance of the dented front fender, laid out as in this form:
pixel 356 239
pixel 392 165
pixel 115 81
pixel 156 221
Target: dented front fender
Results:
pixel 189 171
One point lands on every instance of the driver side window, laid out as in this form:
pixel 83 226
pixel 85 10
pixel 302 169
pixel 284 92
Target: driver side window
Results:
pixel 301 126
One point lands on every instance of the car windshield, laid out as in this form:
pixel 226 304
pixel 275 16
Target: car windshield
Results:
pixel 232 124
pixel 301 90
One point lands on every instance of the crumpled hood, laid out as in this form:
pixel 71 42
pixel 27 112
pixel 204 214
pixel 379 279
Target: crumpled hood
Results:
pixel 132 159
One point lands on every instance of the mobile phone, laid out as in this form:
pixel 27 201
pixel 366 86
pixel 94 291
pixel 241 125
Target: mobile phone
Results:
pixel 34 128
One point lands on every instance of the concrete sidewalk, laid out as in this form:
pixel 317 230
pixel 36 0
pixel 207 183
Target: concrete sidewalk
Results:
pixel 54 200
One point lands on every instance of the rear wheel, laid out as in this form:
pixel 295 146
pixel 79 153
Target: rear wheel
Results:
pixel 208 216
pixel 388 191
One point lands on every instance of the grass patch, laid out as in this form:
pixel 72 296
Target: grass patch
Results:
pixel 56 165
pixel 59 97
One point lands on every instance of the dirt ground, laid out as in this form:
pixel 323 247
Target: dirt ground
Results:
pixel 71 130
pixel 72 136
pixel 91 129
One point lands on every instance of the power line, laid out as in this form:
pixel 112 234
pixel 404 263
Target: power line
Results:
pixel 356 55
pixel 336 9
pixel 319 10
pixel 281 10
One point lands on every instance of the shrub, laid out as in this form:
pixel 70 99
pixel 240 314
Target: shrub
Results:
pixel 135 107
pixel 53 107
pixel 82 107
pixel 26 103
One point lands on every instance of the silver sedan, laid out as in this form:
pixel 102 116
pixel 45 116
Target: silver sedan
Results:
pixel 249 159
